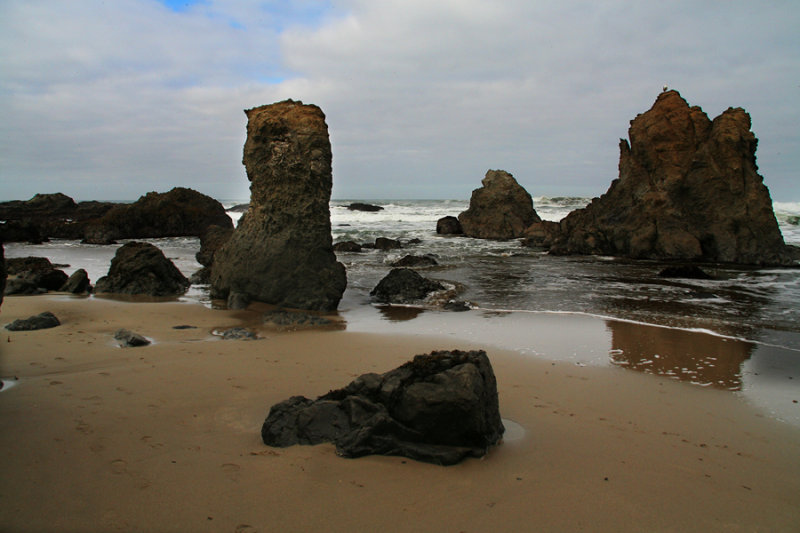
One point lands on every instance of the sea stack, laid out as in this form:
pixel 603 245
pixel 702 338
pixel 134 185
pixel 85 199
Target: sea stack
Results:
pixel 500 209
pixel 688 189
pixel 281 252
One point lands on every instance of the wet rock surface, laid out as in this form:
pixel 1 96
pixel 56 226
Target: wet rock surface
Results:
pixel 439 408
pixel 127 338
pixel 281 252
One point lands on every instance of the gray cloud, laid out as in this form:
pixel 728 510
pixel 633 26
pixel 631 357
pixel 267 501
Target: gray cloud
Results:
pixel 421 97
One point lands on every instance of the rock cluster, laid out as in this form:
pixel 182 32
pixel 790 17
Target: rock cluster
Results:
pixel 179 212
pixel 141 268
pixel 33 275
pixel 440 408
pixel 688 189
pixel 500 209
pixel 281 252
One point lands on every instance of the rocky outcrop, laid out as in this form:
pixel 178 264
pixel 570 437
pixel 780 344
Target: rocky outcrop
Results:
pixel 281 251
pixel 48 215
pixel 179 212
pixel 211 240
pixel 44 320
pixel 439 408
pixel 449 225
pixel 688 189
pixel 501 209
pixel 402 286
pixel 141 268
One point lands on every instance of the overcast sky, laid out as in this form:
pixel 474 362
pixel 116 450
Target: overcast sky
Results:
pixel 112 99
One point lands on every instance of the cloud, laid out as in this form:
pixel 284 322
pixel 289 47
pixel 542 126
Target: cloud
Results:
pixel 112 99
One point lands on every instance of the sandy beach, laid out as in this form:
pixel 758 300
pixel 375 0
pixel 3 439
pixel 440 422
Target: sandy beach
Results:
pixel 166 437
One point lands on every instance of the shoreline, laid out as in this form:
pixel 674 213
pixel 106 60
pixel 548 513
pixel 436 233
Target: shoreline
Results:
pixel 166 437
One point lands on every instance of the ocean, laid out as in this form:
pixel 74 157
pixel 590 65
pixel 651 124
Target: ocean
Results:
pixel 739 331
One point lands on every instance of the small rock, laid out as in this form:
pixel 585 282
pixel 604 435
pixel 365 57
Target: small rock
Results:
pixel 416 261
pixel 129 338
pixel 41 321
pixel 364 207
pixel 238 334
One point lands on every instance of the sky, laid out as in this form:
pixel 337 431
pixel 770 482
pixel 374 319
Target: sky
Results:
pixel 109 100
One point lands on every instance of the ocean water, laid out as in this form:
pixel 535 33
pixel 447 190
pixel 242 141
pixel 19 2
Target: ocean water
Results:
pixel 738 331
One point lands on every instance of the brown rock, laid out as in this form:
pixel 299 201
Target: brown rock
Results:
pixel 282 251
pixel 501 209
pixel 141 268
pixel 688 189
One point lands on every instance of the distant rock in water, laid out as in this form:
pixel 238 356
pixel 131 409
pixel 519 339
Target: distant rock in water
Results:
pixel 501 209
pixel 684 271
pixel 141 268
pixel 347 246
pixel 281 252
pixel 688 189
pixel 416 261
pixel 439 408
pixel 177 213
pixel 364 207
pixel 449 225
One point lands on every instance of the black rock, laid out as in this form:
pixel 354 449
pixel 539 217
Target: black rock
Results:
pixel 128 338
pixel 449 225
pixel 456 306
pixel 382 243
pixel 416 261
pixel 438 408
pixel 364 207
pixel 346 246
pixel 44 320
pixel 403 285
pixel 684 271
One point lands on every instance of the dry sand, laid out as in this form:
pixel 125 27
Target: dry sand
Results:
pixel 167 438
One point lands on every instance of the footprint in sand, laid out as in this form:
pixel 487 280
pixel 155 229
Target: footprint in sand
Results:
pixel 232 471
pixel 244 528
pixel 118 466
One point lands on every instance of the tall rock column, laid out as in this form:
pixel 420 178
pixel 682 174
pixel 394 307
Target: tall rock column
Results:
pixel 282 251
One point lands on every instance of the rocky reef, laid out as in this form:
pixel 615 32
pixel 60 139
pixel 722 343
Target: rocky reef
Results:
pixel 439 408
pixel 282 251
pixel 688 189
pixel 500 209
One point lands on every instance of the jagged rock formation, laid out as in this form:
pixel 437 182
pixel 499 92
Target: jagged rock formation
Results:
pixel 47 215
pixel 688 189
pixel 439 408
pixel 141 268
pixel 501 209
pixel 282 251
pixel 78 283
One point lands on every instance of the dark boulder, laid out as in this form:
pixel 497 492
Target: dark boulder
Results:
pixel 44 320
pixel 48 215
pixel 416 261
pixel 501 209
pixel 688 189
pixel 281 252
pixel 684 271
pixel 439 408
pixel 403 285
pixel 21 231
pixel 18 286
pixel 449 225
pixel 384 243
pixel 141 268
pixel 179 212
pixel 357 206
pixel 34 272
pixel 78 283
pixel 346 246
pixel 127 338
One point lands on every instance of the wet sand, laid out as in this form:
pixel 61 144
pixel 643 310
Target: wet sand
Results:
pixel 166 437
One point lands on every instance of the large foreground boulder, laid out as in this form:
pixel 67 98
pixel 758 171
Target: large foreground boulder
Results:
pixel 501 209
pixel 440 408
pixel 281 252
pixel 688 189
pixel 141 268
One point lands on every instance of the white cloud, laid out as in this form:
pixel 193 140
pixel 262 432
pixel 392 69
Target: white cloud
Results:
pixel 421 96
